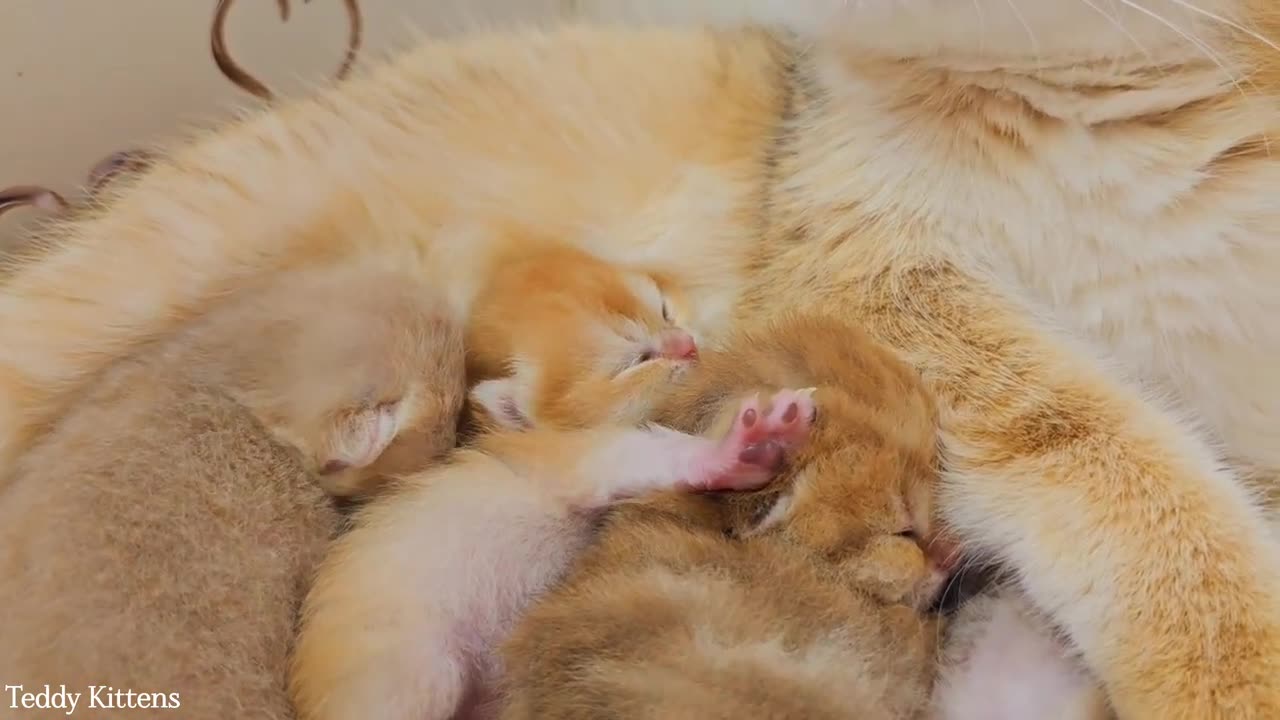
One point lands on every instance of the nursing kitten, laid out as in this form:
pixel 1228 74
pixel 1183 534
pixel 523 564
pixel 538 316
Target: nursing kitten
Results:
pixel 806 599
pixel 158 536
pixel 338 363
pixel 1038 203
pixel 587 348
pixel 409 608
pixel 556 337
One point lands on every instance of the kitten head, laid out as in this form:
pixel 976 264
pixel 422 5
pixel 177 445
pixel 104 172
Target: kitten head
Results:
pixel 564 338
pixel 360 369
pixel 859 492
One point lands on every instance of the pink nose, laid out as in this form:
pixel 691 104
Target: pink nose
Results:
pixel 677 345
pixel 943 552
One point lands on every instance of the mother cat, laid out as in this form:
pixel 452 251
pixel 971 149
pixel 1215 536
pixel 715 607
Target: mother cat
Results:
pixel 1050 206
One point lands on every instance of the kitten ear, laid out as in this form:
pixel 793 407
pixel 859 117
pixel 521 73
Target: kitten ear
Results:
pixel 359 439
pixel 504 401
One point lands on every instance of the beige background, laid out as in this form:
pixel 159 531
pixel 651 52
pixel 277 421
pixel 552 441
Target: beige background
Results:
pixel 83 78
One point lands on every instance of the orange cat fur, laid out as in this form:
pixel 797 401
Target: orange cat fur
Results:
pixel 551 326
pixel 572 340
pixel 1041 204
pixel 157 538
pixel 409 607
pixel 803 600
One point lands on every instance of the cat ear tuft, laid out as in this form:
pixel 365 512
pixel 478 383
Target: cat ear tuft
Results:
pixel 503 400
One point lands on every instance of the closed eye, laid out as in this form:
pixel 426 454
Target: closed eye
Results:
pixel 636 360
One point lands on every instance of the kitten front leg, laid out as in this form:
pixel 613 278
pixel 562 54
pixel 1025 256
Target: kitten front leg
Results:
pixel 612 464
pixel 1119 521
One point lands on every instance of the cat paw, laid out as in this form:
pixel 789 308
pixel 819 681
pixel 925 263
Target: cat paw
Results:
pixel 760 437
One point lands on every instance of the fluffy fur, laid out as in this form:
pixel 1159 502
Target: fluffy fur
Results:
pixel 562 344
pixel 1057 210
pixel 1001 663
pixel 409 608
pixel 158 537
pixel 803 600
pixel 564 339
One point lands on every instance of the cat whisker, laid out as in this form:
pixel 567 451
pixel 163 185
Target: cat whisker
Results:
pixel 1196 42
pixel 982 26
pixel 1228 22
pixel 1035 42
pixel 1208 52
pixel 1120 26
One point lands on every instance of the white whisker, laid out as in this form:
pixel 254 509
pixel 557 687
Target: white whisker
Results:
pixel 1203 47
pixel 1199 44
pixel 1228 22
pixel 1035 44
pixel 982 27
pixel 1120 26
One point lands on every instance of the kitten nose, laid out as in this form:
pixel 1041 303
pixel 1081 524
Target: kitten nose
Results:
pixel 677 345
pixel 944 552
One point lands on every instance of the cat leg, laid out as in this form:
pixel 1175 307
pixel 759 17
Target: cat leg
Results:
pixel 1119 522
pixel 613 464
pixel 379 635
pixel 427 583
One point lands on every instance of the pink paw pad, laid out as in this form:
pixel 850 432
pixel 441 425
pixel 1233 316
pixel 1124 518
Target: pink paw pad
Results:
pixel 760 437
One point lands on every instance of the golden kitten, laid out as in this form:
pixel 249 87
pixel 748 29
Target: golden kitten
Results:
pixel 803 600
pixel 158 537
pixel 1057 210
pixel 587 348
pixel 560 338
pixel 409 607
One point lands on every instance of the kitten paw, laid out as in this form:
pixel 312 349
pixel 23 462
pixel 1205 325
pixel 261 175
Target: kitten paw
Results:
pixel 760 437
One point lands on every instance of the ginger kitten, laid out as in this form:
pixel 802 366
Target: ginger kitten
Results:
pixel 558 337
pixel 806 599
pixel 158 536
pixel 569 353
pixel 409 607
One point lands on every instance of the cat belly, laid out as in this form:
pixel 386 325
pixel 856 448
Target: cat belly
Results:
pixel 1222 379
pixel 1190 318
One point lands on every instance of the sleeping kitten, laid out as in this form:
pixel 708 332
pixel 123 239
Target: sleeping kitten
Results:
pixel 344 365
pixel 558 337
pixel 803 600
pixel 157 537
pixel 408 608
pixel 668 616
pixel 397 627
pixel 588 347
